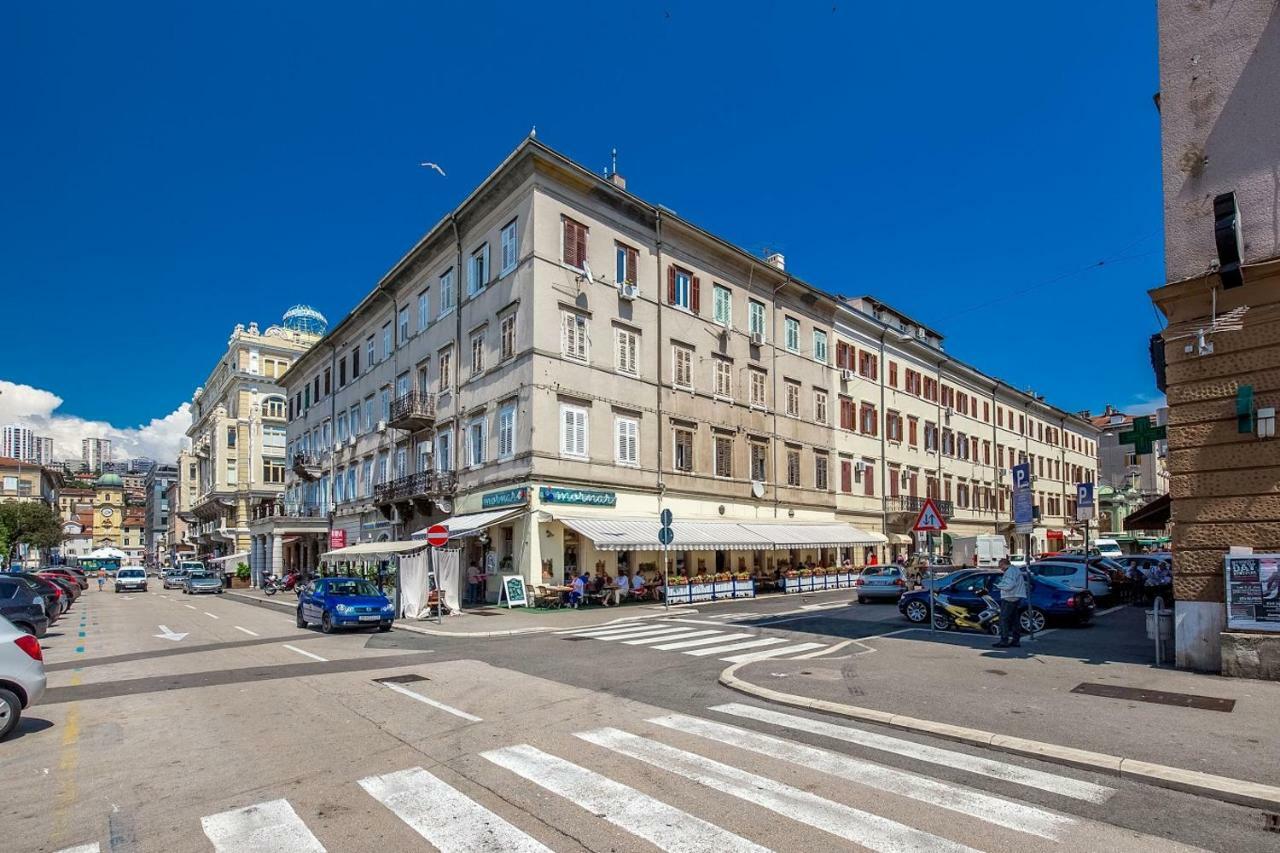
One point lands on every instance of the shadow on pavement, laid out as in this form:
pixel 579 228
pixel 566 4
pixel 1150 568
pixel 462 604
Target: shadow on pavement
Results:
pixel 29 726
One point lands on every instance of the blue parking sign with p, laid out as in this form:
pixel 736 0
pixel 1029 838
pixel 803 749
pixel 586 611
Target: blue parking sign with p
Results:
pixel 1084 495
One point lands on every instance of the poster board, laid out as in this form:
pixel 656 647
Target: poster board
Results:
pixel 1253 592
pixel 513 592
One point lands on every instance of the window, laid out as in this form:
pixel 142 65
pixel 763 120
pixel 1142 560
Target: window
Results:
pixel 444 451
pixel 626 345
pixel 424 310
pixel 575 243
pixel 424 457
pixel 386 341
pixel 868 365
pixel 447 294
pixel 791 333
pixel 507 337
pixel 402 385
pixel 478 270
pixel 893 425
pixel 626 434
pixel 682 448
pixel 573 337
pixel 724 456
pixel 844 355
pixel 340 486
pixel 231 436
pixel 272 471
pixel 820 406
pixel 328 381
pixel 404 325
pixel 759 461
pixel 681 366
pixel 792 398
pixel 355 419
pixel 273 439
pixel 306 396
pixel 846 476
pixel 893 374
pixel 355 362
pixel 820 346
pixel 986 412
pixel 867 419
pixel 930 436
pixel 384 401
pixel 948 442
pixel 231 472
pixel 626 260
pixel 893 480
pixel 793 467
pixel 722 304
pixel 510 247
pixel 682 289
pixel 868 478
pixel 722 371
pixel 446 370
pixel 370 356
pixel 342 372
pixel 477 352
pixel 475 442
pixel 931 390
pixel 759 394
pixel 846 413
pixel 383 459
pixel 820 471
pixel 573 430
pixel 755 318
pixel 351 483
pixel 913 425
pixel 341 427
pixel 911 382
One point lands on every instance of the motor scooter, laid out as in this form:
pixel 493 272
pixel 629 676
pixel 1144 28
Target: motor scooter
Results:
pixel 271 584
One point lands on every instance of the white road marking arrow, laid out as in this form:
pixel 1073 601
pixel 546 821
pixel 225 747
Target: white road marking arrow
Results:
pixel 168 634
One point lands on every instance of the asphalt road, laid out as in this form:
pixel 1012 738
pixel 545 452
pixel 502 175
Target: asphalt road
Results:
pixel 229 729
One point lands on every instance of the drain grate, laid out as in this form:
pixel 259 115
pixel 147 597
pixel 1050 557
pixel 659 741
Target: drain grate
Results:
pixel 1157 697
pixel 577 639
pixel 408 678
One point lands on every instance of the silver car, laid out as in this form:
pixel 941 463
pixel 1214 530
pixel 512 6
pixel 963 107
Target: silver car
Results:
pixel 881 583
pixel 22 678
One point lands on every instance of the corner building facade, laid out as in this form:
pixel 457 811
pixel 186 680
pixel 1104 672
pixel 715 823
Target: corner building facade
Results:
pixel 557 361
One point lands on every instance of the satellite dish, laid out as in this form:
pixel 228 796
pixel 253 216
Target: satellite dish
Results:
pixel 586 269
pixel 757 488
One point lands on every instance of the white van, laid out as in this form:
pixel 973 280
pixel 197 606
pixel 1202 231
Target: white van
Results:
pixel 1108 548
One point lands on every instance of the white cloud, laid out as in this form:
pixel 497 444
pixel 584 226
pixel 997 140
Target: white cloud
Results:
pixel 159 439
pixel 1145 404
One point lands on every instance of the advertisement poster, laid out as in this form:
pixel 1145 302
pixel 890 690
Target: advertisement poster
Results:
pixel 1253 593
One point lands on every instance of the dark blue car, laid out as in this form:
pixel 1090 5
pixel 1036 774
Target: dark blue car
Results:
pixel 344 603
pixel 966 588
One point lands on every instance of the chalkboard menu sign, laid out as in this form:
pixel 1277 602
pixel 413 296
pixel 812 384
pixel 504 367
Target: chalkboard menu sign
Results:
pixel 1253 593
pixel 513 591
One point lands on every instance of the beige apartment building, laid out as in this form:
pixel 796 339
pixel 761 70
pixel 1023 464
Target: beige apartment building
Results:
pixel 237 437
pixel 557 361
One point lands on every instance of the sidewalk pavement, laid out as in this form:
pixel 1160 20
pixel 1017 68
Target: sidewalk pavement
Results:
pixel 482 622
pixel 1022 700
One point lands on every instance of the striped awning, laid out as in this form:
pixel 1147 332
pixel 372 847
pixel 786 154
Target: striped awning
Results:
pixel 641 534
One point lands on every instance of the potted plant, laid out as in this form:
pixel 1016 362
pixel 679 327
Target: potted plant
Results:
pixel 241 579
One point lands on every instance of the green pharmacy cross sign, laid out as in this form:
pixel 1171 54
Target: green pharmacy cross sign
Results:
pixel 1142 435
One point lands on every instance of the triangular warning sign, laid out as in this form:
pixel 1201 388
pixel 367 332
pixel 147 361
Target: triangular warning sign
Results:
pixel 929 518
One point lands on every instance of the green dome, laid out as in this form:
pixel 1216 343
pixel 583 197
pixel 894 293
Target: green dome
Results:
pixel 109 480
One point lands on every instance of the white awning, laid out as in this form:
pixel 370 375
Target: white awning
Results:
pixel 242 555
pixel 373 551
pixel 900 538
pixel 799 534
pixel 641 534
pixel 461 526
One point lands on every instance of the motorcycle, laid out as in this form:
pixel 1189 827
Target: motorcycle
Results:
pixel 271 584
pixel 949 615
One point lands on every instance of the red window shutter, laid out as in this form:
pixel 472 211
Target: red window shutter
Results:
pixel 693 294
pixel 869 481
pixel 846 476
pixel 582 244
pixel 671 285
pixel 570 243
pixel 633 259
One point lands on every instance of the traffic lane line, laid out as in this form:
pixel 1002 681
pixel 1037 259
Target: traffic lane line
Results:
pixel 434 703
pixel 305 653
pixel 247 631
pixel 270 826
pixel 211 615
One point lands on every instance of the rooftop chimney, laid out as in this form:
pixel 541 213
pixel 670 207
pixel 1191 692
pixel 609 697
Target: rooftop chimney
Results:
pixel 618 180
pixel 776 260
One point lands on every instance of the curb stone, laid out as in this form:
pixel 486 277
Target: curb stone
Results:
pixel 1239 791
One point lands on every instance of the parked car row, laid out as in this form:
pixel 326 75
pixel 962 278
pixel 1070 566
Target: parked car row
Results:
pixel 33 601
pixel 967 592
pixel 22 678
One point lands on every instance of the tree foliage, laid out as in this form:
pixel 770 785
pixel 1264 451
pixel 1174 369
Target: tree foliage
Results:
pixel 28 523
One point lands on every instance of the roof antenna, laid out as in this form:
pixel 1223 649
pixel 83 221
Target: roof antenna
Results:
pixel 613 170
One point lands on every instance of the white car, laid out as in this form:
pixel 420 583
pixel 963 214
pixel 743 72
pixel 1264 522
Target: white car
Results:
pixel 131 579
pixel 1018 560
pixel 1072 573
pixel 1108 548
pixel 22 678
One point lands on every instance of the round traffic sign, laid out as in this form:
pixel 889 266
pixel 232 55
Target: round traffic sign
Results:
pixel 665 518
pixel 437 535
pixel 665 535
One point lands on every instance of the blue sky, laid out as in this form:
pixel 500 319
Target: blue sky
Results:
pixel 169 172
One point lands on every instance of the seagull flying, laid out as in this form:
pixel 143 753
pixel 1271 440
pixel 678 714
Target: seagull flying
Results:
pixel 434 166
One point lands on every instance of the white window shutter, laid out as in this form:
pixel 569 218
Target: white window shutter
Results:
pixel 484 253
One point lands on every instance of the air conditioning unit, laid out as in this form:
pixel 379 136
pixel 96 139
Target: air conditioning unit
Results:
pixel 757 339
pixel 382 426
pixel 905 479
pixel 628 290
pixel 947 413
pixel 846 375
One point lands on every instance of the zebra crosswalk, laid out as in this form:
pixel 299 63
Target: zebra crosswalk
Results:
pixel 696 639
pixel 685 783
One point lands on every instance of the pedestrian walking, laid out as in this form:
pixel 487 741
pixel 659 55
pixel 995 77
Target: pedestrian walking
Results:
pixel 102 578
pixel 1013 593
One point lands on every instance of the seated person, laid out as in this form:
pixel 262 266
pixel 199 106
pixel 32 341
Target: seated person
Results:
pixel 579 590
pixel 637 586
pixel 623 588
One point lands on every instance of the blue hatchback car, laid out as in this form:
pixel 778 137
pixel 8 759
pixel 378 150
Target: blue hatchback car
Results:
pixel 344 603
pixel 965 588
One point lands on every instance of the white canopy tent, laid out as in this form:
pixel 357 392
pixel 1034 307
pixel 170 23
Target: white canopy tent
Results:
pixel 372 551
pixel 641 534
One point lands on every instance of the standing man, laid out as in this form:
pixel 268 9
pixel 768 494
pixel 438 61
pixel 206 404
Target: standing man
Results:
pixel 102 578
pixel 1013 592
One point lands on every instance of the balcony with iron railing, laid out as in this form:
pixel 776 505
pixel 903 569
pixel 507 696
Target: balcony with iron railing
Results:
pixel 288 509
pixel 307 466
pixel 413 411
pixel 424 484
pixel 912 503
